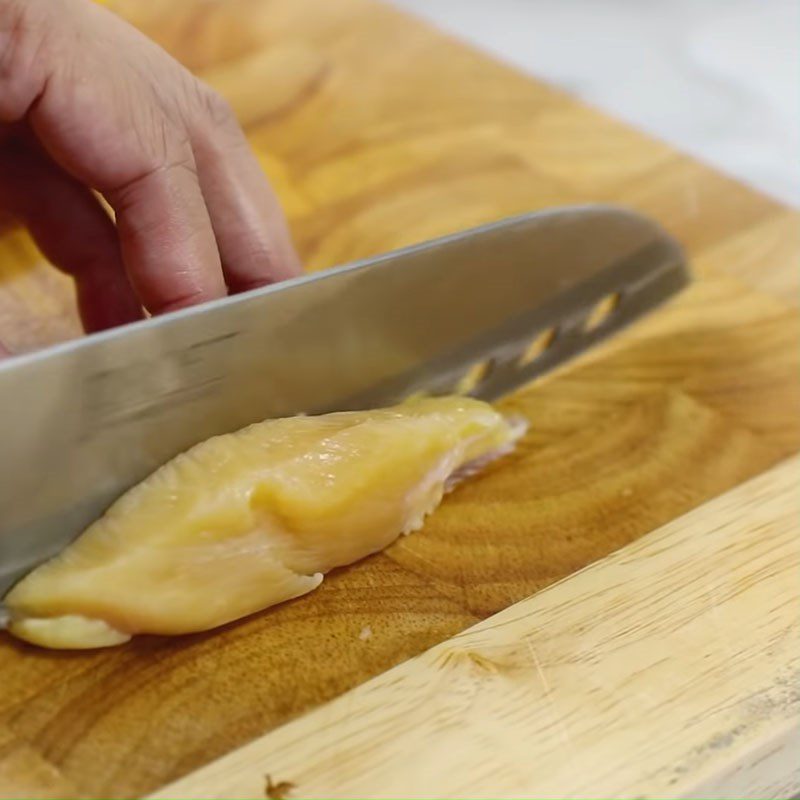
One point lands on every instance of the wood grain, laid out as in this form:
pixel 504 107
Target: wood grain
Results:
pixel 669 669
pixel 764 257
pixel 378 131
pixel 25 773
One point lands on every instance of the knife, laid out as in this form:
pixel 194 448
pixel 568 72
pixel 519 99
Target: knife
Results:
pixel 482 312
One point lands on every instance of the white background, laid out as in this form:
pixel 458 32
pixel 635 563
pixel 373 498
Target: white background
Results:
pixel 719 79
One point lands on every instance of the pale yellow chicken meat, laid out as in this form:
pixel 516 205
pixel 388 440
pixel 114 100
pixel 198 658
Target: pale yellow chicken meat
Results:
pixel 250 519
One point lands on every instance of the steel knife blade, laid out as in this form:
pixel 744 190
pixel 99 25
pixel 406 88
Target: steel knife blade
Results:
pixel 83 421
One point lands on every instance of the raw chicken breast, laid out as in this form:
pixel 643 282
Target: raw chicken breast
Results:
pixel 253 518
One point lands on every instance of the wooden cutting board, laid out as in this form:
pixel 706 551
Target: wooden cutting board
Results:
pixel 378 132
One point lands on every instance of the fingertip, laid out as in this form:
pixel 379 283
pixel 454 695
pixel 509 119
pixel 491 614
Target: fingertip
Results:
pixel 291 265
pixel 195 298
pixel 249 225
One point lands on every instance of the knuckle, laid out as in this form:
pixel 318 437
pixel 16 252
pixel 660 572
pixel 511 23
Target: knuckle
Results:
pixel 172 162
pixel 215 107
pixel 182 163
pixel 160 153
pixel 23 37
pixel 163 144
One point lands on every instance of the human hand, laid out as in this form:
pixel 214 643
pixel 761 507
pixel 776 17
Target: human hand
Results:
pixel 89 104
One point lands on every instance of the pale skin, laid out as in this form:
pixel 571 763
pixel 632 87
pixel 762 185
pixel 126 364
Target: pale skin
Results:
pixel 89 106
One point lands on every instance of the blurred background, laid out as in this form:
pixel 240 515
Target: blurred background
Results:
pixel 719 79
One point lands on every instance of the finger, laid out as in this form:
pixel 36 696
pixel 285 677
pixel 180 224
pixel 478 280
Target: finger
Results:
pixel 250 229
pixel 111 123
pixel 72 231
pixel 4 353
pixel 166 236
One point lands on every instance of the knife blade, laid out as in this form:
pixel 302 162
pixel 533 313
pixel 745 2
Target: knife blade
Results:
pixel 83 421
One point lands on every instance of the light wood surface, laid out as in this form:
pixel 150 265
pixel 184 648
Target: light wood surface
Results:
pixel 656 672
pixel 378 131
